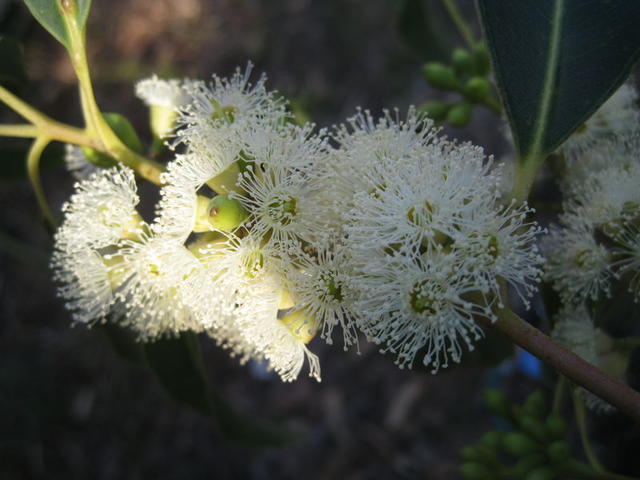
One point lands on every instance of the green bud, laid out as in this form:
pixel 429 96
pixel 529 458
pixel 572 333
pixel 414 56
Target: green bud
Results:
pixel 459 115
pixel 224 213
pixel 477 89
pixel 481 59
pixel 440 76
pixel 533 427
pixel 542 473
pixel 220 213
pixel 435 110
pixel 558 451
pixel 535 405
pixel 475 471
pixel 124 131
pixel 555 426
pixel 518 444
pixel 528 463
pixel 496 402
pixel 463 61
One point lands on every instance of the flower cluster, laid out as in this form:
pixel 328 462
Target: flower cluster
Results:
pixel 595 249
pixel 269 233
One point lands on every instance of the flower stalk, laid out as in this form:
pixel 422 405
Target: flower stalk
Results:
pixel 567 363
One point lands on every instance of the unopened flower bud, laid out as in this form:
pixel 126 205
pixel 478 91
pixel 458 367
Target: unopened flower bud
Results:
pixel 459 115
pixel 477 89
pixel 463 61
pixel 219 213
pixel 558 451
pixel 529 463
pixel 440 76
pixel 482 60
pixel 535 405
pixel 555 426
pixel 542 473
pixel 518 444
pixel 435 110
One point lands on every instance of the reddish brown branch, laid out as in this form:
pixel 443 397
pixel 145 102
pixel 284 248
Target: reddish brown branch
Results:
pixel 569 364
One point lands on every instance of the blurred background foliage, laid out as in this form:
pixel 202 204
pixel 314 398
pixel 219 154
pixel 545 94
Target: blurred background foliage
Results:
pixel 73 408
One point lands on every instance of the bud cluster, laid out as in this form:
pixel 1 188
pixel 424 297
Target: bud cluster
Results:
pixel 467 75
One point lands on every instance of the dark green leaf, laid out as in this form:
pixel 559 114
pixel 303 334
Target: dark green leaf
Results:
pixel 557 61
pixel 421 27
pixel 13 161
pixel 49 13
pixel 12 73
pixel 177 362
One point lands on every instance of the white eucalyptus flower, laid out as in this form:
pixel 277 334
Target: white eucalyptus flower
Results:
pixel 617 116
pixel 85 283
pixel 574 329
pixel 154 297
pixel 322 289
pixel 102 211
pixel 578 266
pixel 408 304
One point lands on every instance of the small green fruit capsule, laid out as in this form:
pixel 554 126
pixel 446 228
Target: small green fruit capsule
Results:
pixel 558 451
pixel 528 463
pixel 440 76
pixel 481 59
pixel 533 427
pixel 518 444
pixel 463 61
pixel 435 110
pixel 535 405
pixel 226 214
pixel 555 426
pixel 124 131
pixel 496 402
pixel 459 115
pixel 542 473
pixel 475 471
pixel 477 89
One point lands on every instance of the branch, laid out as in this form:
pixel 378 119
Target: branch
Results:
pixel 33 169
pixel 569 364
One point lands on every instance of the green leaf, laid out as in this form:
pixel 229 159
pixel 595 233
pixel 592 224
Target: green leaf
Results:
pixel 421 27
pixel 557 61
pixel 12 72
pixel 177 362
pixel 50 14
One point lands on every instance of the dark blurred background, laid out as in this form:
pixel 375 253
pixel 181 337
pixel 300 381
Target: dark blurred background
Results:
pixel 71 408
